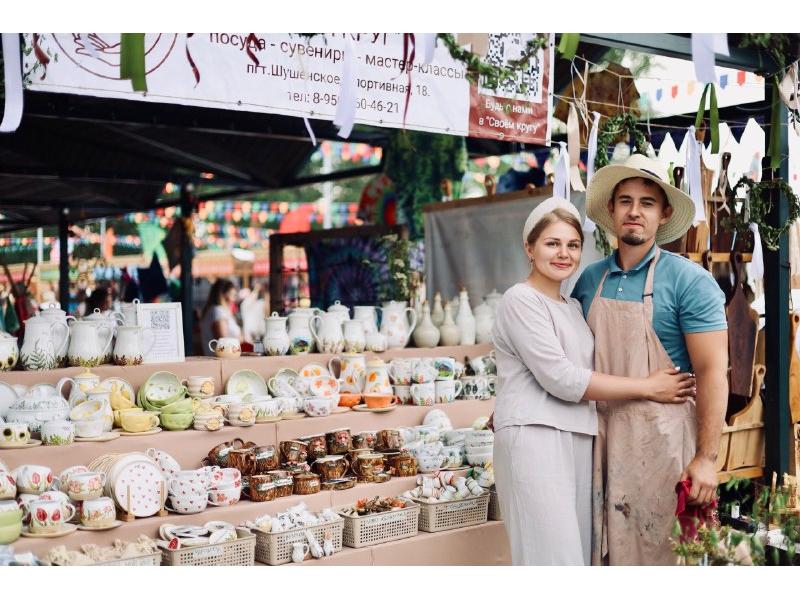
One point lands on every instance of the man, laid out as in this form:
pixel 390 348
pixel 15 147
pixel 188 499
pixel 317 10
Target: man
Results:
pixel 650 309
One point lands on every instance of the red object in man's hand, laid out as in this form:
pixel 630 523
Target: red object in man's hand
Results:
pixel 246 347
pixel 690 517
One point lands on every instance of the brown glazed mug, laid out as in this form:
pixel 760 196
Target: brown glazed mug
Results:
pixel 364 440
pixel 306 483
pixel 403 464
pixel 367 465
pixel 261 487
pixel 244 460
pixel 219 454
pixel 317 446
pixel 340 441
pixel 284 482
pixel 266 459
pixel 390 439
pixel 293 451
pixel 331 467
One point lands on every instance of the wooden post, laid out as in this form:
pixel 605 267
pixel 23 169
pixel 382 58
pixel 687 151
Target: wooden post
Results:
pixel 63 259
pixel 187 253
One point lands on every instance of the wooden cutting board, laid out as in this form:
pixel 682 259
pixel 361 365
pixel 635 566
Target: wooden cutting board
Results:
pixel 746 429
pixel 742 333
pixel 794 369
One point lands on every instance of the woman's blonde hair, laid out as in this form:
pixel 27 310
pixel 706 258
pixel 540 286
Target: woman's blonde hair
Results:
pixel 557 215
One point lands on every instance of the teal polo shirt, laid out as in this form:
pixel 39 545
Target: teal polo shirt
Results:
pixel 686 298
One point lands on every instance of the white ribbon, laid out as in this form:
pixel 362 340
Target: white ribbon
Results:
pixel 346 110
pixel 574 151
pixel 425 43
pixel 704 46
pixel 757 263
pixel 12 63
pixel 561 175
pixel 694 177
pixel 589 225
pixel 310 131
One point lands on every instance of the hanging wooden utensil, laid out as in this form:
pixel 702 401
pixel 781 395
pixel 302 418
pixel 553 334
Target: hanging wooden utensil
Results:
pixel 721 238
pixel 678 245
pixel 742 332
pixel 746 429
pixel 794 369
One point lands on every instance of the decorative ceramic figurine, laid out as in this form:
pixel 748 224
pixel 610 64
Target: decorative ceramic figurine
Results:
pixel 395 324
pixel 465 320
pixel 437 314
pixel 450 334
pixel 426 334
pixel 276 340
pixel 43 342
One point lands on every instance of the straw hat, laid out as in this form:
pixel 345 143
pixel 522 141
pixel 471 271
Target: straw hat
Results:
pixel 638 165
pixel 546 207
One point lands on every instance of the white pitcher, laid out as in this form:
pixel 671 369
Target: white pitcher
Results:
pixel 395 324
pixel 343 312
pixel 80 384
pixel 368 316
pixel 300 339
pixel 276 340
pixel 43 342
pixel 327 332
pixel 89 344
pixel 129 314
pixel 354 337
pixel 53 314
pixel 376 378
pixel 128 348
pixel 352 368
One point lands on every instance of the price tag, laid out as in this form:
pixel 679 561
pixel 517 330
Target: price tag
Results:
pixel 210 551
pixel 390 517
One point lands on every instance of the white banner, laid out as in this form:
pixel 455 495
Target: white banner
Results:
pixel 298 76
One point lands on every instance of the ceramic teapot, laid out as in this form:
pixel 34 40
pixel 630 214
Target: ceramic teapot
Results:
pixel 43 342
pixel 376 378
pixel 352 369
pixel 343 312
pixel 9 352
pixel 53 314
pixel 395 324
pixel 276 340
pixel 327 332
pixel 80 384
pixel 129 313
pixel 129 348
pixel 90 343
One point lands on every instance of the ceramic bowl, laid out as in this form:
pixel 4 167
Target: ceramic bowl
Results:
pixel 225 478
pixel 189 504
pixel 378 400
pixel 182 406
pixel 317 406
pixel 10 517
pixel 176 422
pixel 226 496
pixel 88 410
pixel 89 428
pixel 10 532
pixel 348 400
pixel 478 458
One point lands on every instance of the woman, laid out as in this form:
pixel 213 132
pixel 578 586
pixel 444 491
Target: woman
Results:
pixel 545 416
pixel 217 318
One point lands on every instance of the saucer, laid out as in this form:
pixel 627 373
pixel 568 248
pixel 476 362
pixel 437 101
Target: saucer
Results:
pixel 109 436
pixel 143 433
pixel 268 419
pixel 28 445
pixel 63 531
pixel 107 526
pixel 340 410
pixel 376 410
pixel 293 416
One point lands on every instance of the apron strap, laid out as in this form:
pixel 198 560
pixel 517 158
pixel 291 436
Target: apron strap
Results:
pixel 600 286
pixel 647 297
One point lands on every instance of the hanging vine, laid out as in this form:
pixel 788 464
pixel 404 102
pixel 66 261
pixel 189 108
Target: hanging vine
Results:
pixel 610 130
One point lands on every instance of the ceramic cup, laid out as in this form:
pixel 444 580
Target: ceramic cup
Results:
pixel 8 486
pixel 226 496
pixel 138 422
pixel 14 433
pixel 317 406
pixel 365 440
pixel 199 386
pixel 446 368
pixel 424 373
pixel 189 504
pixel 403 393
pixel 33 479
pixel 225 347
pixel 483 365
pixel 48 516
pixel 476 387
pixel 454 455
pixel 267 407
pixel 89 429
pixel 98 511
pixel 423 394
pixel 401 371
pixel 447 391
pixel 118 415
pixel 86 485
pixel 300 551
pixel 431 462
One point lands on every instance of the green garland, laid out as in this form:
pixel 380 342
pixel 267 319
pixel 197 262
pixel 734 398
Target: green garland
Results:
pixel 760 207
pixel 609 131
pixel 493 75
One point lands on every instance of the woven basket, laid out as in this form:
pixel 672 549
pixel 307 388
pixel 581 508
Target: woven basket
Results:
pixel 445 515
pixel 361 531
pixel 154 559
pixel 494 507
pixel 275 548
pixel 240 552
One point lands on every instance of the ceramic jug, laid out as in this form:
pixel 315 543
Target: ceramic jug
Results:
pixel 300 339
pixel 352 368
pixel 80 384
pixel 376 342
pixel 368 316
pixel 9 352
pixel 90 343
pixel 395 324
pixel 484 323
pixel 355 339
pixel 437 313
pixel 103 396
pixel 343 312
pixel 327 332
pixel 129 313
pixel 450 335
pixel 376 378
pixel 43 342
pixel 276 340
pixel 132 345
pixel 465 321
pixel 426 334
pixel 53 314
pixel 493 299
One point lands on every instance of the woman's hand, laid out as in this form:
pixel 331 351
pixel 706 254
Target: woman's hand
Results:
pixel 669 386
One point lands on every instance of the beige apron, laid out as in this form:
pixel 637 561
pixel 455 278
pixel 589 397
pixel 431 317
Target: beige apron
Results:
pixel 642 446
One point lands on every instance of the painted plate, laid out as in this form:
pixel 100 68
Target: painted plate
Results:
pixel 157 429
pixel 142 480
pixel 312 369
pixel 376 410
pixel 108 526
pixel 246 382
pixel 65 529
pixel 28 445
pixel 109 436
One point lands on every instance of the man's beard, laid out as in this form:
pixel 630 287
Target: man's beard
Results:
pixel 632 239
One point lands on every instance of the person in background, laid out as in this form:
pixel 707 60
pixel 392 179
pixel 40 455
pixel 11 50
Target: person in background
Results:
pixel 217 318
pixel 102 298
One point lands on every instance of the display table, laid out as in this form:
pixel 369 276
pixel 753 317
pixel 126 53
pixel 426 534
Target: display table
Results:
pixel 486 545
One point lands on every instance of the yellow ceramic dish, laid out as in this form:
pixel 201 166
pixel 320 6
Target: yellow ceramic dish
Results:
pixel 118 415
pixel 138 422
